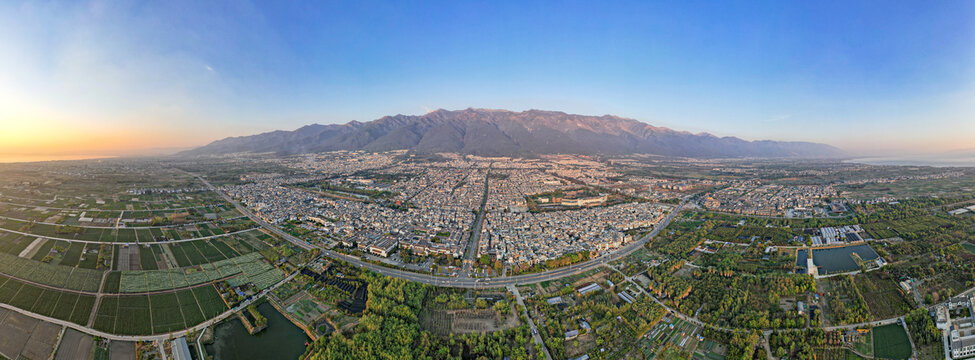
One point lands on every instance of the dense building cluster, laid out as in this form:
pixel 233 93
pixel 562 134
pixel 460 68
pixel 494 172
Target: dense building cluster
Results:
pixel 378 203
pixel 754 197
pixel 519 237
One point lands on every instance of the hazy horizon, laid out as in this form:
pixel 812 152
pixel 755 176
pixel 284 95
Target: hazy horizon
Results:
pixel 115 79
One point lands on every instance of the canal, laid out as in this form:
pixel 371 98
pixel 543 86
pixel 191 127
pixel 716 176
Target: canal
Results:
pixel 281 339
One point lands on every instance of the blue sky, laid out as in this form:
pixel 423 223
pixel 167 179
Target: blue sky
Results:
pixel 870 77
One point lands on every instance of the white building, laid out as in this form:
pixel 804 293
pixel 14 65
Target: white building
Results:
pixel 962 340
pixel 960 332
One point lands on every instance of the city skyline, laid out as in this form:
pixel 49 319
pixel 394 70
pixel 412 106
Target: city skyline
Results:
pixel 97 79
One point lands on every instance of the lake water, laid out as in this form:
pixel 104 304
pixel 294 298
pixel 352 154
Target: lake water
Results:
pixel 959 160
pixel 281 339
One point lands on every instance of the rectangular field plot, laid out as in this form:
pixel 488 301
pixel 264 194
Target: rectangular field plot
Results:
pixel 208 251
pixel 53 275
pixel 57 304
pixel 144 235
pixel 134 310
pixel 82 309
pixel 891 342
pixel 256 271
pixel 147 260
pixel 192 253
pixel 73 254
pixel 9 289
pixel 224 248
pixel 238 244
pixel 55 231
pixel 216 230
pixel 89 258
pixel 210 301
pixel 172 234
pixel 179 254
pixel 125 236
pixel 107 311
pixel 108 235
pixel 47 302
pixel 13 244
pixel 26 297
pixel 157 234
pixel 883 296
pixel 191 310
pixel 112 282
pixel 969 246
pixel 65 306
pixel 43 250
pixel 166 313
pixel 84 279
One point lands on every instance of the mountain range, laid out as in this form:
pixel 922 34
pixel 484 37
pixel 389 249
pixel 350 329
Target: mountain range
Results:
pixel 501 132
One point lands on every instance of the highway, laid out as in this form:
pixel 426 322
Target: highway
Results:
pixel 459 282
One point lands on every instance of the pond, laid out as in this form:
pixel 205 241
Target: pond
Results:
pixel 840 259
pixel 281 339
pixel 801 259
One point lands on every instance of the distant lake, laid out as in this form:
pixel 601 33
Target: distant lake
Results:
pixel 960 160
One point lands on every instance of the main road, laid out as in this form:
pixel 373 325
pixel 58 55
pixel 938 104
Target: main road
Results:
pixel 461 282
pixel 475 238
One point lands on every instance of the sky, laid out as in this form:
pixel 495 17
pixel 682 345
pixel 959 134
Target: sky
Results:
pixel 86 78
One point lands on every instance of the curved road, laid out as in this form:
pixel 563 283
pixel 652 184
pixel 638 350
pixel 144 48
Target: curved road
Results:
pixel 461 282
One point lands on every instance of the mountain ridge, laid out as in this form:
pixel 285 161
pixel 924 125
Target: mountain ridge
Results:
pixel 493 132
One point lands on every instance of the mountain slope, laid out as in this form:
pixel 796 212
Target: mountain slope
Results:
pixel 502 132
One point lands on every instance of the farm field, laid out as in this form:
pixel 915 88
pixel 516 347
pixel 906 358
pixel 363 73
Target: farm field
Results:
pixel 891 342
pixel 249 268
pixel 882 295
pixel 90 256
pixel 166 313
pixel 158 313
pixel 73 254
pixel 969 246
pixel 905 228
pixel 53 275
pixel 147 258
pixel 129 235
pixel 57 304
pixel 192 315
pixel 13 244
